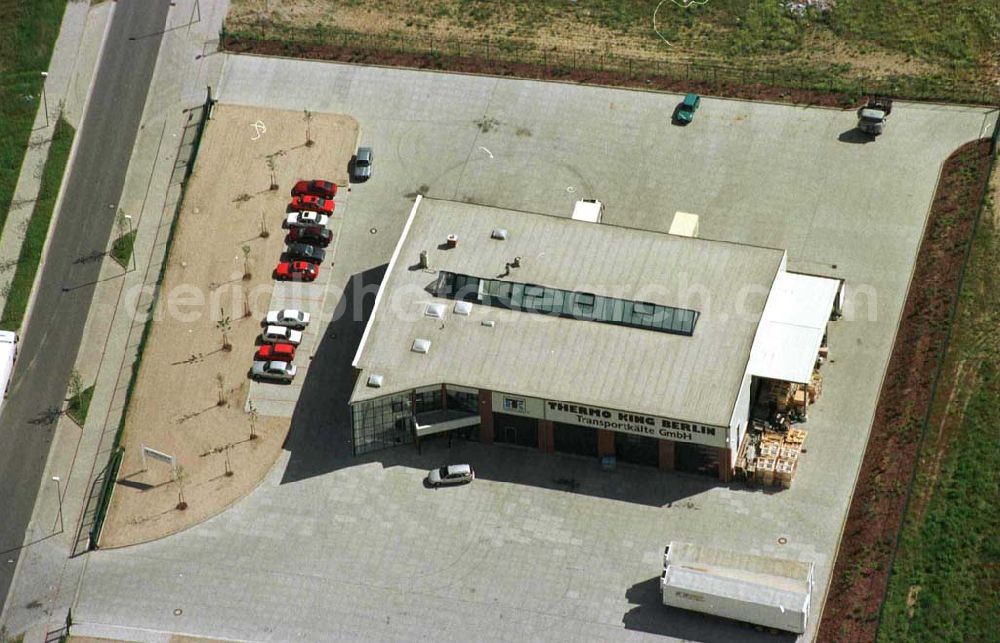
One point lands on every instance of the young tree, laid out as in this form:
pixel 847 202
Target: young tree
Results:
pixel 272 165
pixel 75 386
pixel 264 232
pixel 308 117
pixel 180 478
pixel 220 379
pixel 225 325
pixel 253 421
pixel 121 222
pixel 246 262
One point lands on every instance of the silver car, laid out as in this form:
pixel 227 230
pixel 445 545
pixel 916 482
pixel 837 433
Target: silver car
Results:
pixel 452 474
pixel 277 371
pixel 289 317
pixel 281 335
pixel 363 164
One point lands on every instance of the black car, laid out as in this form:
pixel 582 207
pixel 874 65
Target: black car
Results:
pixel 305 252
pixel 315 235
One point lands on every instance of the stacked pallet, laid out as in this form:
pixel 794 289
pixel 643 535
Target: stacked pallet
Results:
pixel 765 470
pixel 784 471
pixel 815 386
pixel 779 458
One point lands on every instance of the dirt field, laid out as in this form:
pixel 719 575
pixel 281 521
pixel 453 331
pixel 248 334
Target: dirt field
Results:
pixel 844 39
pixel 190 394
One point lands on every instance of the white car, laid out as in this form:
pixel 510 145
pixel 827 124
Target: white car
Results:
pixel 305 219
pixel 278 371
pixel 452 474
pixel 289 317
pixel 280 334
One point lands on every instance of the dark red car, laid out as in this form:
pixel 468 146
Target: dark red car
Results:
pixel 276 352
pixel 296 270
pixel 316 187
pixel 314 203
pixel 314 235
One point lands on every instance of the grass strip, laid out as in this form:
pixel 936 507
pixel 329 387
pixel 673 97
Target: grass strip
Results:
pixel 121 249
pixel 945 581
pixel 38 226
pixel 28 31
pixel 79 406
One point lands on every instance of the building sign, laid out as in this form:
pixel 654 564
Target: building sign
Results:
pixel 530 407
pixel 611 420
pixel 635 423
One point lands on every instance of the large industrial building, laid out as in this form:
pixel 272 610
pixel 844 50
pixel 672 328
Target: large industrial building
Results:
pixel 577 337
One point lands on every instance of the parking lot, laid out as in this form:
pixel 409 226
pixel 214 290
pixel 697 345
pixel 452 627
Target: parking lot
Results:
pixel 542 547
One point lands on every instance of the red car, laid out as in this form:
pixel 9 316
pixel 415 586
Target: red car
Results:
pixel 314 203
pixel 296 270
pixel 276 352
pixel 316 187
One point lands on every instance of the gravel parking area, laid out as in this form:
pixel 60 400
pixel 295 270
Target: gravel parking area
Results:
pixel 189 400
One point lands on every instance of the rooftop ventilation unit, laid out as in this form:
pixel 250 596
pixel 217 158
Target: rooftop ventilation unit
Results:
pixel 421 346
pixel 463 307
pixel 499 234
pixel 375 381
pixel 434 310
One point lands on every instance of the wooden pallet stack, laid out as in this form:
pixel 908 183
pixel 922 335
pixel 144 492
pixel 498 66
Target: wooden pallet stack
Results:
pixel 779 458
pixel 815 386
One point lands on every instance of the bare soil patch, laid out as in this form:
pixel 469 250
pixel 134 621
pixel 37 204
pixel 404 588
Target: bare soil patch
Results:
pixel 190 393
pixel 861 572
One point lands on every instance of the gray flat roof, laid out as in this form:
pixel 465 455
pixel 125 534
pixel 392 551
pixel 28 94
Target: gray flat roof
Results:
pixel 695 378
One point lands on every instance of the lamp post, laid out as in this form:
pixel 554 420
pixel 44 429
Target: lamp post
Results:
pixel 45 100
pixel 58 482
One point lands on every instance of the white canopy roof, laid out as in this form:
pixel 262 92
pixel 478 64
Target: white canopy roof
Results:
pixel 792 326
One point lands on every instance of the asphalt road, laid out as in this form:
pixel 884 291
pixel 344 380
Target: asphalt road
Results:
pixel 49 345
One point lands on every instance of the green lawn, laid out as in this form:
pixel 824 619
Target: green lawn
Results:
pixel 914 47
pixel 121 249
pixel 28 31
pixel 945 582
pixel 38 227
pixel 79 405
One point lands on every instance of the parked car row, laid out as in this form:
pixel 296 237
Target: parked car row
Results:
pixel 305 219
pixel 281 335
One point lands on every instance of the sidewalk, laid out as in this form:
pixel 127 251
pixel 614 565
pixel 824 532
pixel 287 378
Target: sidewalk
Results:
pixel 71 71
pixel 51 566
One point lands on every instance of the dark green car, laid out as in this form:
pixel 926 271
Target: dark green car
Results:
pixel 687 108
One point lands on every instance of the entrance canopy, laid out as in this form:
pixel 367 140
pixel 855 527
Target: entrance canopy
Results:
pixel 792 326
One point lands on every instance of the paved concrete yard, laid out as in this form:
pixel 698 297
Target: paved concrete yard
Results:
pixel 334 547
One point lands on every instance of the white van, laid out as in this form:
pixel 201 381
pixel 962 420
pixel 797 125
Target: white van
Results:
pixel 8 353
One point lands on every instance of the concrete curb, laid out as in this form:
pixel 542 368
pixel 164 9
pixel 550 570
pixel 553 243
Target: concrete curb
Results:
pixel 29 309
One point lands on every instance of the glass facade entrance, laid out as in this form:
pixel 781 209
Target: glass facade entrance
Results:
pixel 381 423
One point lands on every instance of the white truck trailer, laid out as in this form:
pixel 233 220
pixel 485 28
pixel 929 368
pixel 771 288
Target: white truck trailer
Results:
pixel 8 353
pixel 772 592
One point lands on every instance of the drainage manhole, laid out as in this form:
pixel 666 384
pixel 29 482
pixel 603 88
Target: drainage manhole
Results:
pixel 373 230
pixel 178 612
pixel 782 540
